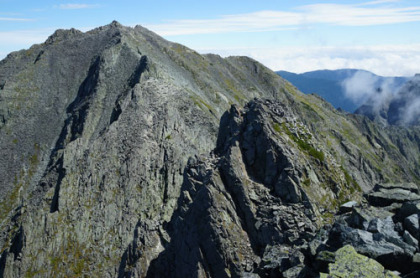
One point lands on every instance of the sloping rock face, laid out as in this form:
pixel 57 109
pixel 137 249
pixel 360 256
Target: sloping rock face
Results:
pixel 249 209
pixel 243 212
pixel 96 132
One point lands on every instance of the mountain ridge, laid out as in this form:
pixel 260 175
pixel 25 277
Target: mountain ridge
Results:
pixel 116 142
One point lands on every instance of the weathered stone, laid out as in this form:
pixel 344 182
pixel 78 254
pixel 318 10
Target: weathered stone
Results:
pixel 348 263
pixel 294 272
pixel 386 197
pixel 411 223
pixel 409 239
pixel 416 258
pixel 407 209
pixel 347 207
pixel 412 187
pixel 323 259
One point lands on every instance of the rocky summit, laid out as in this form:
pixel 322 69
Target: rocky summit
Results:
pixel 125 155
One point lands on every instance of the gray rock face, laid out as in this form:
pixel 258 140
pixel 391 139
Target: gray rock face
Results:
pixel 231 222
pixel 347 207
pixel 229 207
pixel 99 154
pixel 102 171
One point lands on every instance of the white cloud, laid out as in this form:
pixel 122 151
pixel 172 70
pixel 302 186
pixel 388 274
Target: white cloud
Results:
pixel 412 111
pixel 361 85
pixel 14 19
pixel 365 88
pixel 21 39
pixel 24 37
pixel 352 15
pixel 252 22
pixel 386 60
pixel 372 13
pixel 76 6
pixel 378 2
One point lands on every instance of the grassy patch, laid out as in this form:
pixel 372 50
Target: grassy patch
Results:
pixel 201 103
pixel 9 202
pixel 302 144
pixel 277 127
pixel 353 185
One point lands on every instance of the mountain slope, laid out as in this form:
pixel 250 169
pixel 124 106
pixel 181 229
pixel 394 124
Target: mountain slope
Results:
pixel 97 129
pixel 96 132
pixel 255 207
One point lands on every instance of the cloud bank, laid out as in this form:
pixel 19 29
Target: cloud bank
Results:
pixel 76 6
pixel 385 60
pixel 24 37
pixel 386 100
pixel 369 14
pixel 412 111
pixel 366 88
pixel 15 19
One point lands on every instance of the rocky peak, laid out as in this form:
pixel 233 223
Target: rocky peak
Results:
pixel 119 145
pixel 62 34
pixel 115 24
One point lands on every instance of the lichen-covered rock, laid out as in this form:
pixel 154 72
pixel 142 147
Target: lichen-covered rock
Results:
pixel 348 263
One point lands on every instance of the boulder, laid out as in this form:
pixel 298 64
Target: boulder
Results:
pixel 412 187
pixel 360 218
pixel 385 245
pixel 407 209
pixel 282 259
pixel 387 197
pixel 411 224
pixel 347 207
pixel 409 239
pixel 348 263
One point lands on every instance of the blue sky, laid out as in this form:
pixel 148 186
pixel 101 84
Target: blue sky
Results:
pixel 376 35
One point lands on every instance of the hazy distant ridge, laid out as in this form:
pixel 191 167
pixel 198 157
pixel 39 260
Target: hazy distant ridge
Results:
pixel 345 88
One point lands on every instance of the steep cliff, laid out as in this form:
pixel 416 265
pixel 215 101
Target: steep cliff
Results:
pixel 96 132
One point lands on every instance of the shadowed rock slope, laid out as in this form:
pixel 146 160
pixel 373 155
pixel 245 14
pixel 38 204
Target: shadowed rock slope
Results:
pixel 260 206
pixel 96 130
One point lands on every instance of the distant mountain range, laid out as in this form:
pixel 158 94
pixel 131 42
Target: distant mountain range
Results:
pixel 329 85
